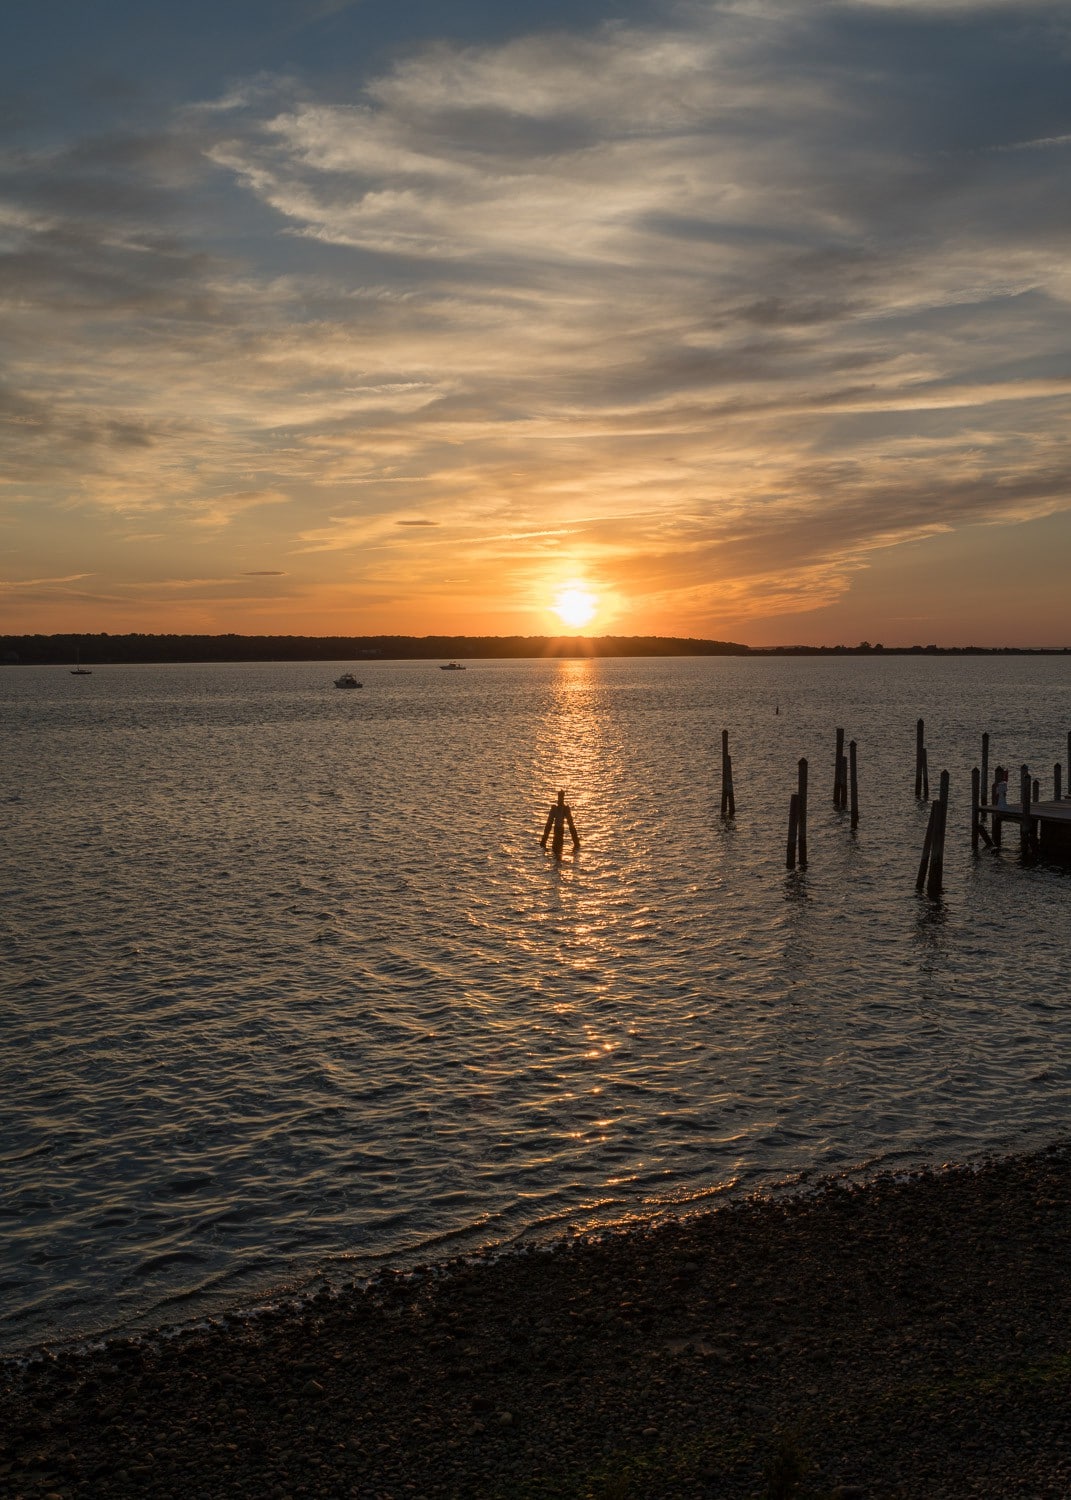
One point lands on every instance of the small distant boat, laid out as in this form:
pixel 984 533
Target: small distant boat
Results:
pixel 452 666
pixel 81 671
pixel 347 680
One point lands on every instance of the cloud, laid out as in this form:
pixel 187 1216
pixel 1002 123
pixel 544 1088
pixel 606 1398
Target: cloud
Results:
pixel 718 305
pixel 32 583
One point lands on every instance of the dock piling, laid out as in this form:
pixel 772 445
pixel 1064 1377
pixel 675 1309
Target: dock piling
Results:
pixel 978 828
pixel 557 819
pixel 853 763
pixel 728 798
pixel 976 816
pixel 985 772
pixel 927 848
pixel 797 822
pixel 1024 803
pixel 935 883
pixel 793 830
pixel 920 752
pixel 932 865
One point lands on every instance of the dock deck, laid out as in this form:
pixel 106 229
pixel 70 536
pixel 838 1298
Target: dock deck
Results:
pixel 1050 812
pixel 1045 827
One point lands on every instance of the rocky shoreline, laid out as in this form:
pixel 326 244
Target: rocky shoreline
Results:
pixel 905 1338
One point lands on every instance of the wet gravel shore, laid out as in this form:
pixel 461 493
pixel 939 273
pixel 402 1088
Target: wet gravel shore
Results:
pixel 907 1338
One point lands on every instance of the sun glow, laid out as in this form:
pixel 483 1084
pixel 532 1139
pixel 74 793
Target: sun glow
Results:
pixel 575 606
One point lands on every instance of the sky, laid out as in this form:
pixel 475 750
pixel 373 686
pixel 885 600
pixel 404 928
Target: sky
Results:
pixel 745 320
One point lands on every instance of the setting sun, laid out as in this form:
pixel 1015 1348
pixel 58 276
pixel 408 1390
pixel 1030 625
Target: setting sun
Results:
pixel 575 606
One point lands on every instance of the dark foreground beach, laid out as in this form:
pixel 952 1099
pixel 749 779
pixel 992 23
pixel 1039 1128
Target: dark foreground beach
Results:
pixel 907 1338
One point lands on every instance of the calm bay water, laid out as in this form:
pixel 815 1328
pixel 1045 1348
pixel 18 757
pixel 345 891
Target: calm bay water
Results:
pixel 288 986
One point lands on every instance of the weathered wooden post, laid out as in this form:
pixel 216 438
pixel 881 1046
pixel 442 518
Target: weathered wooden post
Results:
pixel 854 765
pixel 920 754
pixel 1057 782
pixel 935 884
pixel 976 817
pixel 1024 804
pixel 728 799
pixel 802 794
pixel 985 772
pixel 793 829
pixel 932 867
pixel 557 818
pixel 925 774
pixel 927 848
pixel 839 799
pixel 978 828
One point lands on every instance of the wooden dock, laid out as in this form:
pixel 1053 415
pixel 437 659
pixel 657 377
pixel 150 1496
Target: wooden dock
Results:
pixel 1048 824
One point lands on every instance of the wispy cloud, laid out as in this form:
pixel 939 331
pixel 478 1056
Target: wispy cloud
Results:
pixel 716 306
pixel 33 583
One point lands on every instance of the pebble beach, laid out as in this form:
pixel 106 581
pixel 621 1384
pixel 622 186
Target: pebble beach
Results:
pixel 907 1337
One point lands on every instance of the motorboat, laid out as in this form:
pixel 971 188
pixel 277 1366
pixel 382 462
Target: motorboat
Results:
pixel 452 666
pixel 347 680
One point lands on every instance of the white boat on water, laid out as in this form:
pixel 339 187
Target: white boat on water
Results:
pixel 347 680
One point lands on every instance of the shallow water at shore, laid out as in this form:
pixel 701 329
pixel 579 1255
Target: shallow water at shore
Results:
pixel 289 985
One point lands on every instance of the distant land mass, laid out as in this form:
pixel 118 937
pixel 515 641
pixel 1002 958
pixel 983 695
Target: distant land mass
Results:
pixel 102 648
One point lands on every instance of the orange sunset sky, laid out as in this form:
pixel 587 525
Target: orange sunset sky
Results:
pixel 744 320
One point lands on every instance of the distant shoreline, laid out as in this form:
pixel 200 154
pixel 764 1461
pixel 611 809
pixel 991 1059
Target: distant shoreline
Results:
pixel 103 649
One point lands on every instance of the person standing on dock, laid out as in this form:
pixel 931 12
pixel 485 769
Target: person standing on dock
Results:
pixel 1000 788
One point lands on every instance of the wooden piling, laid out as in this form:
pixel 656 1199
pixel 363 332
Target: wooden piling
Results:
pixel 1024 821
pixel 728 799
pixel 558 818
pixel 793 829
pixel 839 800
pixel 927 848
pixel 978 828
pixel 854 771
pixel 1057 782
pixel 802 832
pixel 935 884
pixel 920 732
pixel 985 771
pixel 976 816
pixel 932 866
pixel 925 774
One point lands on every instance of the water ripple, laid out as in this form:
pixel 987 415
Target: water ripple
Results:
pixel 290 986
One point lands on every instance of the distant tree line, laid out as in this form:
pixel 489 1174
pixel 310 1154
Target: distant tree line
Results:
pixel 866 649
pixel 102 648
